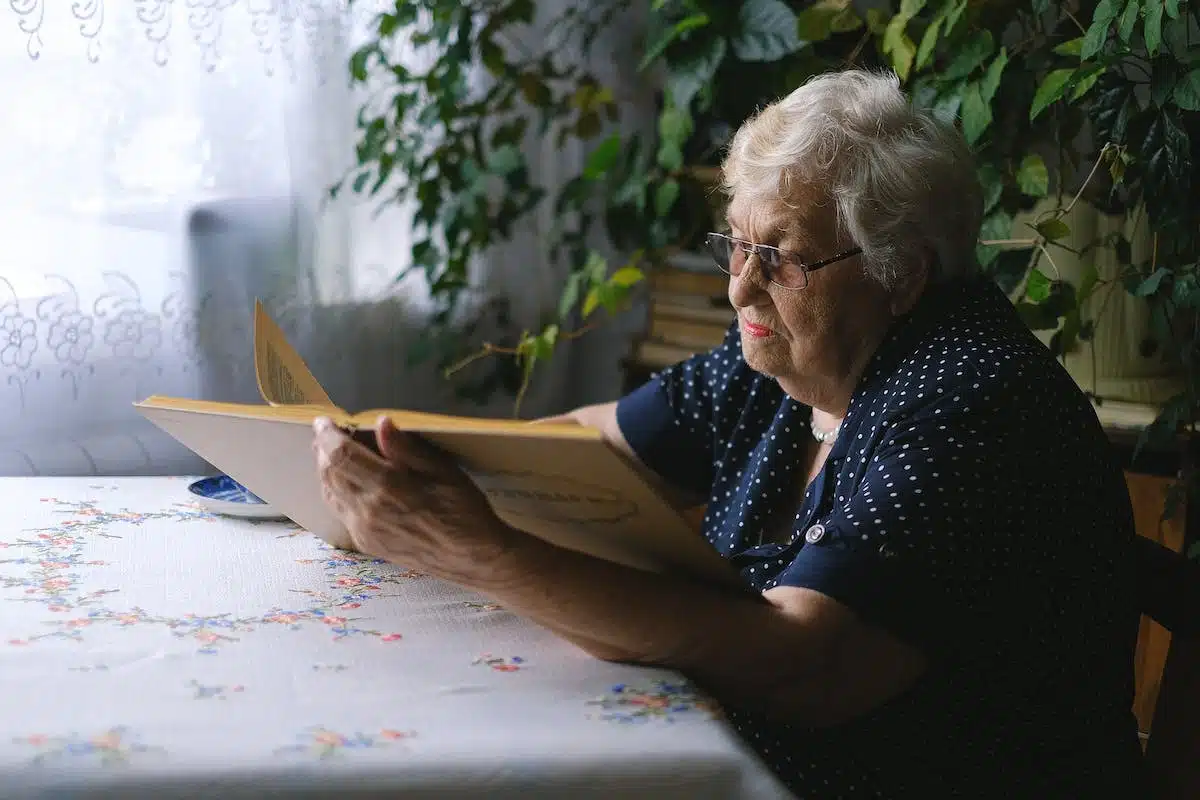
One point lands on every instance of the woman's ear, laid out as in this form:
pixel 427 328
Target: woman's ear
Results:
pixel 911 285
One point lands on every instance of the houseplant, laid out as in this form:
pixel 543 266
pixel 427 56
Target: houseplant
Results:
pixel 1065 104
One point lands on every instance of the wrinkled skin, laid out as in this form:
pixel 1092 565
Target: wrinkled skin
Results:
pixel 408 504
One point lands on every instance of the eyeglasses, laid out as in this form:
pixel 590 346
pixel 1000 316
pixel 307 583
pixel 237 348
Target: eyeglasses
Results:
pixel 780 267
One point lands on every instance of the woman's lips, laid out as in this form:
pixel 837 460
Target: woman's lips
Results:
pixel 758 331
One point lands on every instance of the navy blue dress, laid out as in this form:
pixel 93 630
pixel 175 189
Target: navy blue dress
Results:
pixel 971 507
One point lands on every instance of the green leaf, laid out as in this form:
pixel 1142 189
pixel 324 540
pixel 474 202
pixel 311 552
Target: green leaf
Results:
pixel 826 17
pixel 928 44
pixel 358 62
pixel 520 11
pixel 1187 91
pixel 492 56
pixel 1165 155
pixel 505 160
pixel 767 31
pixel 1107 10
pixel 1008 268
pixel 976 114
pixel 669 156
pixel 1085 78
pixel 1032 176
pixel 997 225
pixel 626 277
pixel 674 125
pixel 692 22
pixel 387 25
pixel 665 197
pixel 1128 20
pixel 902 55
pixel 690 74
pixel 591 302
pixel 595 269
pixel 1051 89
pixel 601 160
pixel 1088 281
pixel 898 47
pixel 954 15
pixel 1097 32
pixel 569 297
pixel 1053 229
pixel 1151 284
pixel 1162 80
pixel 1037 317
pixel 1152 26
pixel 993 186
pixel 655 50
pixel 1071 48
pixel 676 31
pixel 848 20
pixel 1093 41
pixel 991 78
pixel 545 343
pixel 1037 288
pixel 970 56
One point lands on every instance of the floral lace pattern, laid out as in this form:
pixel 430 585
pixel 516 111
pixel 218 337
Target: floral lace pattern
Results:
pixel 164 25
pixel 143 637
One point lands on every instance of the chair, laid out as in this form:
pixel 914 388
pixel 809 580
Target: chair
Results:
pixel 1169 593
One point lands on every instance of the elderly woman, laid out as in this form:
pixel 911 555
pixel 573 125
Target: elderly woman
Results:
pixel 921 494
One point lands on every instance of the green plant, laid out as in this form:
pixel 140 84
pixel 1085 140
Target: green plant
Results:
pixel 432 138
pixel 1086 100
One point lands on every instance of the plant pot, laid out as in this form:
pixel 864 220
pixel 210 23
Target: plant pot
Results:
pixel 1111 365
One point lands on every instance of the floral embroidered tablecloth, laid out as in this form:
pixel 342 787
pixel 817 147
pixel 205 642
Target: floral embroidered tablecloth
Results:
pixel 147 646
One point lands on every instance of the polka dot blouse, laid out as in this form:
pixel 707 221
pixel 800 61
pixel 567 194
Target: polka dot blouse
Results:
pixel 969 506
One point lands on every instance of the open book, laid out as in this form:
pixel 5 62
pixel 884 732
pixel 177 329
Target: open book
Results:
pixel 560 482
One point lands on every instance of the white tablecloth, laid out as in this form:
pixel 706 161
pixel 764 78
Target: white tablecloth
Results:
pixel 147 648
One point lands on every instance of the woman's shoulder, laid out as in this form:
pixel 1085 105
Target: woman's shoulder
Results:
pixel 975 360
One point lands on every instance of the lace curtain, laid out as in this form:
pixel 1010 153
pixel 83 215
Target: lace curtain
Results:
pixel 162 164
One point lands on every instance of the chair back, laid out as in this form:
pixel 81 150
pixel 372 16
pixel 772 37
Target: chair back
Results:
pixel 1169 593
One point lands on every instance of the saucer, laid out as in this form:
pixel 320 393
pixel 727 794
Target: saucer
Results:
pixel 223 495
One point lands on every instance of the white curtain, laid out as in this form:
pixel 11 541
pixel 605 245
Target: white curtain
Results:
pixel 162 164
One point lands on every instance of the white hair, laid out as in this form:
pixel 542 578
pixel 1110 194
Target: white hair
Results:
pixel 903 180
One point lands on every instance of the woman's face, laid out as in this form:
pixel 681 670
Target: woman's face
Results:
pixel 814 341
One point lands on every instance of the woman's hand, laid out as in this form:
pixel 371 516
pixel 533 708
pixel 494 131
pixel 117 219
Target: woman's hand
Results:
pixel 409 504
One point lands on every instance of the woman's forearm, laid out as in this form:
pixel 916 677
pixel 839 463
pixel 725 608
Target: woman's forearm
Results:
pixel 750 652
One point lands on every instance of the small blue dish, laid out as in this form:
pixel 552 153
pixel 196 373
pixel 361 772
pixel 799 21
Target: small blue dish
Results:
pixel 221 494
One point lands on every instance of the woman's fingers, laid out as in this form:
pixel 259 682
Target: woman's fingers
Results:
pixel 410 452
pixel 342 461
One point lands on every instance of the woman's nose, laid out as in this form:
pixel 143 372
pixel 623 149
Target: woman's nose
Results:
pixel 749 287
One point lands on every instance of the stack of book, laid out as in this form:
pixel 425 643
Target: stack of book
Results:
pixel 689 311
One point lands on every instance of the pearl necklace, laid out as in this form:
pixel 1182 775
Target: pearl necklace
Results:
pixel 824 437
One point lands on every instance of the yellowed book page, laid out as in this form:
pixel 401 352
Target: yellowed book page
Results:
pixel 283 377
pixel 290 413
pixel 581 494
pixel 424 422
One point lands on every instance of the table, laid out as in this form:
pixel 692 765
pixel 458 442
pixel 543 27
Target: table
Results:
pixel 150 649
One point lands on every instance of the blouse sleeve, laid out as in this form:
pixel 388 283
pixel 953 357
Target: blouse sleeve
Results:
pixel 673 423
